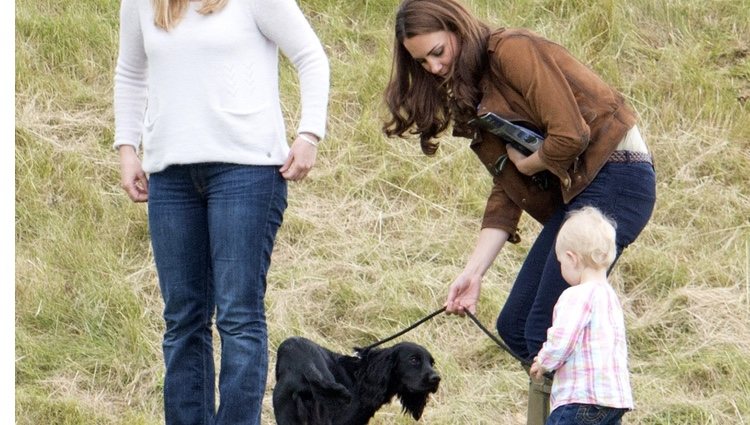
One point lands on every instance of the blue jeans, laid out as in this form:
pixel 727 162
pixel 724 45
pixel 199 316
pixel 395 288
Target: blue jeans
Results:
pixel 626 192
pixel 212 229
pixel 585 414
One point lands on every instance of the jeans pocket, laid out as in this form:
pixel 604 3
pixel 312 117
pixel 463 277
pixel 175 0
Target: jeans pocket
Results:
pixel 591 415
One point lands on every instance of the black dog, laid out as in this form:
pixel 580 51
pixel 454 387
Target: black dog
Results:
pixel 315 386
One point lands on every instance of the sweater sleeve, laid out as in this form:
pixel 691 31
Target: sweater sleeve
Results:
pixel 130 88
pixel 282 22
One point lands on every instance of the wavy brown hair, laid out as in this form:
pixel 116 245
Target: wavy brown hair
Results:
pixel 421 102
pixel 168 13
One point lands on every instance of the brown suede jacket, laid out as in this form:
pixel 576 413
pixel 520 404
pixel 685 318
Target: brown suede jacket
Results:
pixel 539 84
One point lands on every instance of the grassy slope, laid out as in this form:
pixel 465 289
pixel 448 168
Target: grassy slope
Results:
pixel 372 239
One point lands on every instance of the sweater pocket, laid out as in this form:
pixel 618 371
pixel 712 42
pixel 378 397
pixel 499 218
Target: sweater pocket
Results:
pixel 151 115
pixel 254 128
pixel 240 111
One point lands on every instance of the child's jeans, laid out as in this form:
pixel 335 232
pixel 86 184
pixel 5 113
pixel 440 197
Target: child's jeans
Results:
pixel 585 414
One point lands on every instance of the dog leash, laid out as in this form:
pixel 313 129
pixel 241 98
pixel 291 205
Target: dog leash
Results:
pixel 497 340
pixel 476 321
pixel 524 362
pixel 398 334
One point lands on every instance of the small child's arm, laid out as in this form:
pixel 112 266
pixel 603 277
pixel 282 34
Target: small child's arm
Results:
pixel 537 371
pixel 572 314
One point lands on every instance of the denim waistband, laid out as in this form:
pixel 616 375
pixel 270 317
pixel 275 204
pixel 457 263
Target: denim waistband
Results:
pixel 630 156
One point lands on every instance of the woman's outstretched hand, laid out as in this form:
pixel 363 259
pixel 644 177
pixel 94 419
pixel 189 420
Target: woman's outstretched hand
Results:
pixel 463 294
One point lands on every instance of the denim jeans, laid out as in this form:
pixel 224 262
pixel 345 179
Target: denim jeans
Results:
pixel 626 192
pixel 212 230
pixel 585 414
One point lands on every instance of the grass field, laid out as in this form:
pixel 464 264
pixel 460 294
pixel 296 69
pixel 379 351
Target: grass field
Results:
pixel 372 239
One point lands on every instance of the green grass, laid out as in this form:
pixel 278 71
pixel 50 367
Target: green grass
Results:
pixel 372 239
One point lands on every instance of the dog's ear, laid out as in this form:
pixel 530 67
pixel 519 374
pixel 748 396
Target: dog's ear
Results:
pixel 414 403
pixel 375 374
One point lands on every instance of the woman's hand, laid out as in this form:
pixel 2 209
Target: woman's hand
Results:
pixel 527 165
pixel 463 294
pixel 132 178
pixel 301 158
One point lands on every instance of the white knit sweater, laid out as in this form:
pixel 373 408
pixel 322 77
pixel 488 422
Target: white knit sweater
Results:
pixel 207 90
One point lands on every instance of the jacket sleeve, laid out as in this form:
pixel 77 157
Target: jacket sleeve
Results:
pixel 533 72
pixel 501 212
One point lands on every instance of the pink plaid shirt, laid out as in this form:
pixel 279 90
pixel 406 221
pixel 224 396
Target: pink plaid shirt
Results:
pixel 586 346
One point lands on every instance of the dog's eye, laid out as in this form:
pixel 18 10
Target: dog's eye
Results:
pixel 414 360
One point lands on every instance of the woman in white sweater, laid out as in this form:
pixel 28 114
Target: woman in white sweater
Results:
pixel 196 90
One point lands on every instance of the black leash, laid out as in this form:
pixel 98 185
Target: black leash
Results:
pixel 524 362
pixel 497 340
pixel 417 323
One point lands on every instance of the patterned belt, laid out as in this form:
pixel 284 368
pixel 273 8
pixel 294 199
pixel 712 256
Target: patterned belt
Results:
pixel 630 156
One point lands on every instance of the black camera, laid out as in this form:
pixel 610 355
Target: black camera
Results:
pixel 521 138
pixel 524 140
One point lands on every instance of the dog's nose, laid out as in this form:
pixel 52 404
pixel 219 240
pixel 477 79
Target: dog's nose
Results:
pixel 434 379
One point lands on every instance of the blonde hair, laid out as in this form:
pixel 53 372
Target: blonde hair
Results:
pixel 590 234
pixel 168 13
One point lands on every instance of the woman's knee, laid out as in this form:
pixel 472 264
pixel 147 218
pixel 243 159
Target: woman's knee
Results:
pixel 510 328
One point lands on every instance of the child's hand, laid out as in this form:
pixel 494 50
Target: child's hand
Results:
pixel 536 371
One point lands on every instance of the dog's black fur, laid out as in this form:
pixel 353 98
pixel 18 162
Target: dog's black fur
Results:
pixel 315 386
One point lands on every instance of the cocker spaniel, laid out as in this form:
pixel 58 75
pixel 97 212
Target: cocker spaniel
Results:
pixel 315 386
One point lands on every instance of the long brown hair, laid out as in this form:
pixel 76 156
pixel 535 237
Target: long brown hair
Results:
pixel 168 13
pixel 420 101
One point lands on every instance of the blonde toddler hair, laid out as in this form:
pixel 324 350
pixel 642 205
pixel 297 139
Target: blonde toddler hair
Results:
pixel 590 234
